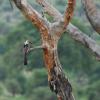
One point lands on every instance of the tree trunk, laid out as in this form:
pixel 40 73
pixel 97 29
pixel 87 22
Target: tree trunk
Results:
pixel 50 37
pixel 56 78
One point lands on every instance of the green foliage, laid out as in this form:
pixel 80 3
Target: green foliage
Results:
pixel 19 82
pixel 13 86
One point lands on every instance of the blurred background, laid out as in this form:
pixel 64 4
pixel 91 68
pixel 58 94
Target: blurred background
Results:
pixel 19 82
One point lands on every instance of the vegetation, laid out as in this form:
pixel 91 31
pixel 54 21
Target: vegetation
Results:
pixel 19 82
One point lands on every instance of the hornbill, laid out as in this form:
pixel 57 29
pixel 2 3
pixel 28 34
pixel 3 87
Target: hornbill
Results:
pixel 26 50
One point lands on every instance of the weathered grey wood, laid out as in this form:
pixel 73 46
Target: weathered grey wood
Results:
pixel 72 30
pixel 92 13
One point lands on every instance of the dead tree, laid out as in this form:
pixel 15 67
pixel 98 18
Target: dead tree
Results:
pixel 72 30
pixel 50 35
pixel 92 13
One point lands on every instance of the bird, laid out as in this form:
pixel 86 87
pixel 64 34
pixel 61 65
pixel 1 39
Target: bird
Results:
pixel 26 49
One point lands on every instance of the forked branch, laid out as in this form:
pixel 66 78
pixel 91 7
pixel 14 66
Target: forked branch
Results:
pixel 48 9
pixel 74 32
pixel 61 23
pixel 56 78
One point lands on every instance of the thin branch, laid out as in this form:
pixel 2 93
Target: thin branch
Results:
pixel 48 8
pixel 36 47
pixel 75 33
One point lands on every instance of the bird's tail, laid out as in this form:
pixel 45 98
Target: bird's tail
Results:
pixel 25 59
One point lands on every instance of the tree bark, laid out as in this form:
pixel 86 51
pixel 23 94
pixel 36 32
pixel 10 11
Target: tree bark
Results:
pixel 92 13
pixel 72 30
pixel 50 35
pixel 56 78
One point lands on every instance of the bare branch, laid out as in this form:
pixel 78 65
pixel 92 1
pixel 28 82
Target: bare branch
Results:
pixel 76 34
pixel 31 14
pixel 61 22
pixel 69 12
pixel 48 9
pixel 92 13
pixel 81 37
pixel 36 47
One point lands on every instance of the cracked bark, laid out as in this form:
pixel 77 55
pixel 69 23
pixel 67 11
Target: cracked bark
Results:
pixel 56 78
